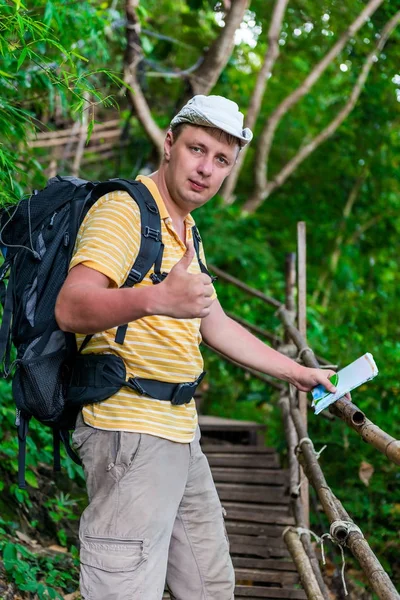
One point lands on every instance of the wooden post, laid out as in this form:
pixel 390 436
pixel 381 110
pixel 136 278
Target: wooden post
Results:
pixel 302 327
pixel 290 301
pixel 303 565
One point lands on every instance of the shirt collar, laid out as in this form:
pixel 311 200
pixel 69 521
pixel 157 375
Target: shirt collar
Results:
pixel 153 189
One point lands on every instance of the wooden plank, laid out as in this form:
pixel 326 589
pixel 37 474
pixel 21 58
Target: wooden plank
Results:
pixel 247 547
pixel 258 551
pixel 257 542
pixel 263 563
pixel 236 475
pixel 263 576
pixel 249 461
pixel 254 529
pixel 256 592
pixel 252 493
pixel 237 448
pixel 257 514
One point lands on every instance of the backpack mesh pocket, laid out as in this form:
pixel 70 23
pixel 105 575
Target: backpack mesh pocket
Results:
pixel 38 386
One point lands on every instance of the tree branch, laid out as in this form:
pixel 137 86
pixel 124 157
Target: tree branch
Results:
pixel 322 286
pixel 133 56
pixel 82 137
pixel 265 73
pixel 218 54
pixel 267 135
pixel 370 223
pixel 261 194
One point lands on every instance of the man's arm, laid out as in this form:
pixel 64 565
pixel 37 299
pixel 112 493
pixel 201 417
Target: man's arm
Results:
pixel 225 335
pixel 88 304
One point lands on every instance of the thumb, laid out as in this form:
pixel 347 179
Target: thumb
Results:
pixel 188 256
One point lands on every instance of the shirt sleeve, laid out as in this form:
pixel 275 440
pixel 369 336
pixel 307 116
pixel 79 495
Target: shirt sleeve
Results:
pixel 109 237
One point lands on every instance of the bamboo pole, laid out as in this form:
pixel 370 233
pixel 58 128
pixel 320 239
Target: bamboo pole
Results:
pixel 344 409
pixel 246 288
pixel 344 532
pixel 371 433
pixel 290 287
pixel 290 432
pixel 291 440
pixel 305 538
pixel 302 327
pixel 61 141
pixel 274 339
pixel 303 565
pixel 294 489
pixel 253 372
pixel 48 135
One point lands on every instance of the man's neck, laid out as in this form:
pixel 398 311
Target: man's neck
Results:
pixel 178 216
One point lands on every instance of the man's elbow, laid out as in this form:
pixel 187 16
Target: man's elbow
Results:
pixel 61 316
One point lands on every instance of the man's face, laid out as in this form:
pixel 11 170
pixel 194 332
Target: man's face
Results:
pixel 196 166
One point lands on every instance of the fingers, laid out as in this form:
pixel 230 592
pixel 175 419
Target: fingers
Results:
pixel 324 379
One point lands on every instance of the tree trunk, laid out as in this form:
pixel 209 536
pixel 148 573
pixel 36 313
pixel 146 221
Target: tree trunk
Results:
pixel 262 187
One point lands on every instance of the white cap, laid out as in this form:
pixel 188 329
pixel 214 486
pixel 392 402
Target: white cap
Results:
pixel 214 111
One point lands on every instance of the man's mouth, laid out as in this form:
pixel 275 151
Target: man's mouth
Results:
pixel 197 185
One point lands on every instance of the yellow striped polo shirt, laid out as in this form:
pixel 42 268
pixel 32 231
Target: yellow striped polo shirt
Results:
pixel 155 347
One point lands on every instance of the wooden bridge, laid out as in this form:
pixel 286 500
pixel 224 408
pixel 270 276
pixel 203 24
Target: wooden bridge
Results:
pixel 254 491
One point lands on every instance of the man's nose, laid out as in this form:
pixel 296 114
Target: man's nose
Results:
pixel 205 167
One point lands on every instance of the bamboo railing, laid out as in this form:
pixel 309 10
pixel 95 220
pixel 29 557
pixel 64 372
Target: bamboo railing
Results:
pixel 343 530
pixel 344 409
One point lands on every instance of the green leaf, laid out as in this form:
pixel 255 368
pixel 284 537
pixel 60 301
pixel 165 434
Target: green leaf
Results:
pixel 22 57
pixel 9 554
pixel 147 46
pixel 31 479
pixel 75 53
pixel 4 74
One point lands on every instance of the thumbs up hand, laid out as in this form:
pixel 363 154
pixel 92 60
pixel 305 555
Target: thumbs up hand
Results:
pixel 183 295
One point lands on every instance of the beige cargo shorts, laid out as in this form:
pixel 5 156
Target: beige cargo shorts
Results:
pixel 154 518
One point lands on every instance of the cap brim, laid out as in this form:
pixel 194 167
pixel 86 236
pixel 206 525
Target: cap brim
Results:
pixel 201 120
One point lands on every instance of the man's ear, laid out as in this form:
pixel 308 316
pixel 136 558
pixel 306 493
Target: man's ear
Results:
pixel 169 140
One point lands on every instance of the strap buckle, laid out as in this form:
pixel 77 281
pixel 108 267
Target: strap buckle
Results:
pixel 135 385
pixel 184 392
pixel 155 234
pixel 158 277
pixel 134 276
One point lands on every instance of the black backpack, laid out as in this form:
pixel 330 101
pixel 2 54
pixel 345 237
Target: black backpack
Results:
pixel 37 238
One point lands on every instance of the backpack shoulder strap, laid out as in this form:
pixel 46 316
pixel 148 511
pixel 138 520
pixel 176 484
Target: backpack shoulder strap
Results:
pixel 150 242
pixel 196 243
pixel 151 246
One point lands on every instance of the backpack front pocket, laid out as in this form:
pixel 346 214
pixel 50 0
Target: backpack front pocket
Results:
pixel 39 386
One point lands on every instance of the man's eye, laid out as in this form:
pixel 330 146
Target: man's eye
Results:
pixel 222 160
pixel 195 149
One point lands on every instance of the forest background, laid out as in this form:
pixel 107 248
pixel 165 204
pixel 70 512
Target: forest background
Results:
pixel 319 83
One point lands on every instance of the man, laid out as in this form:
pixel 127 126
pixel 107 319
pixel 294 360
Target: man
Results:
pixel 153 512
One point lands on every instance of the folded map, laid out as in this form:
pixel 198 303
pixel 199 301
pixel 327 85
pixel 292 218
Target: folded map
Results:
pixel 355 374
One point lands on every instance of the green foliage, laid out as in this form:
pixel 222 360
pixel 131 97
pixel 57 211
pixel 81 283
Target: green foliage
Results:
pixel 39 574
pixel 52 61
pixel 53 54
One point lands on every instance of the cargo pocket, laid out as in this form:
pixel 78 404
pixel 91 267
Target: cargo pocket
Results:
pixel 112 568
